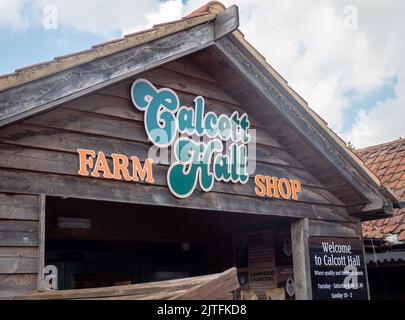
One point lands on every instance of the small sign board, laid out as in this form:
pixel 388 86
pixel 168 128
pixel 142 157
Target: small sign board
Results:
pixel 337 269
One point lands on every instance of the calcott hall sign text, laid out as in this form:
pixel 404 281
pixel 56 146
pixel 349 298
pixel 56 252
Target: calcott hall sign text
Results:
pixel 207 148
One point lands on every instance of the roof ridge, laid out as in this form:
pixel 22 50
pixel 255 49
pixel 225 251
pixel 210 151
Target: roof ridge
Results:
pixel 376 146
pixel 39 70
pixel 210 7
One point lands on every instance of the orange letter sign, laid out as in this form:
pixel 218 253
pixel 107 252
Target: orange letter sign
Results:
pixel 101 165
pixel 273 187
pixel 145 173
pixel 121 166
pixel 86 158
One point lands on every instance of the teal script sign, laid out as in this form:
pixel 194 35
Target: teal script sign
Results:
pixel 219 153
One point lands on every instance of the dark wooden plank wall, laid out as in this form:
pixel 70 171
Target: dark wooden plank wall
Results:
pixel 39 154
pixel 19 242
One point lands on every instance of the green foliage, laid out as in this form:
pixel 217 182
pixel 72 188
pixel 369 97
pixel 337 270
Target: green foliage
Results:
pixel 351 146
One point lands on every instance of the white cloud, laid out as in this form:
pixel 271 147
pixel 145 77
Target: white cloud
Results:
pixel 11 14
pixel 304 40
pixel 382 123
pixel 102 17
pixel 167 11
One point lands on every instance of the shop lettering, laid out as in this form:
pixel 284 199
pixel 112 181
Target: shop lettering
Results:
pixel 197 163
pixel 274 187
pixel 122 168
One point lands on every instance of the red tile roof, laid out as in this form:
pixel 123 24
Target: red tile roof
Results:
pixel 387 161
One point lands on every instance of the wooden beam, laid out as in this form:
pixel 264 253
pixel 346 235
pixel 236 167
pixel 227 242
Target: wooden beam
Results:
pixel 215 289
pixel 15 157
pixel 119 291
pixel 302 268
pixel 226 22
pixel 276 94
pixel 128 192
pixel 41 242
pixel 43 94
pixel 359 225
pixel 214 286
pixel 374 211
pixel 18 206
pixel 324 228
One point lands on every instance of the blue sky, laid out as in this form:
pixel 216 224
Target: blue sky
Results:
pixel 353 77
pixel 367 101
pixel 22 48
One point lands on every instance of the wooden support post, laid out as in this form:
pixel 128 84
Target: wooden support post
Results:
pixel 302 272
pixel 41 242
pixel 359 226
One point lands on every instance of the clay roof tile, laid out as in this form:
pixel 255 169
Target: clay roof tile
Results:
pixel 387 161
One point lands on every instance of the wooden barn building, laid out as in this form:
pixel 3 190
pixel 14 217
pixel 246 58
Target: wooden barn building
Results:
pixel 102 185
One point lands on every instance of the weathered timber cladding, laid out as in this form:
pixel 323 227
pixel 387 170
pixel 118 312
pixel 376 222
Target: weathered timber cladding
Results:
pixel 18 260
pixel 19 233
pixel 101 189
pixel 12 285
pixel 333 229
pixel 67 163
pixel 19 240
pixel 47 144
pixel 18 207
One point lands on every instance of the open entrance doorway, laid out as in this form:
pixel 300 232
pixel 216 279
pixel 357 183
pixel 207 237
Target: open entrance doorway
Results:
pixel 99 244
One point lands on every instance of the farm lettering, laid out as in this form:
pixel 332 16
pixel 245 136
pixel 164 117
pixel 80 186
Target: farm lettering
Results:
pixel 123 168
